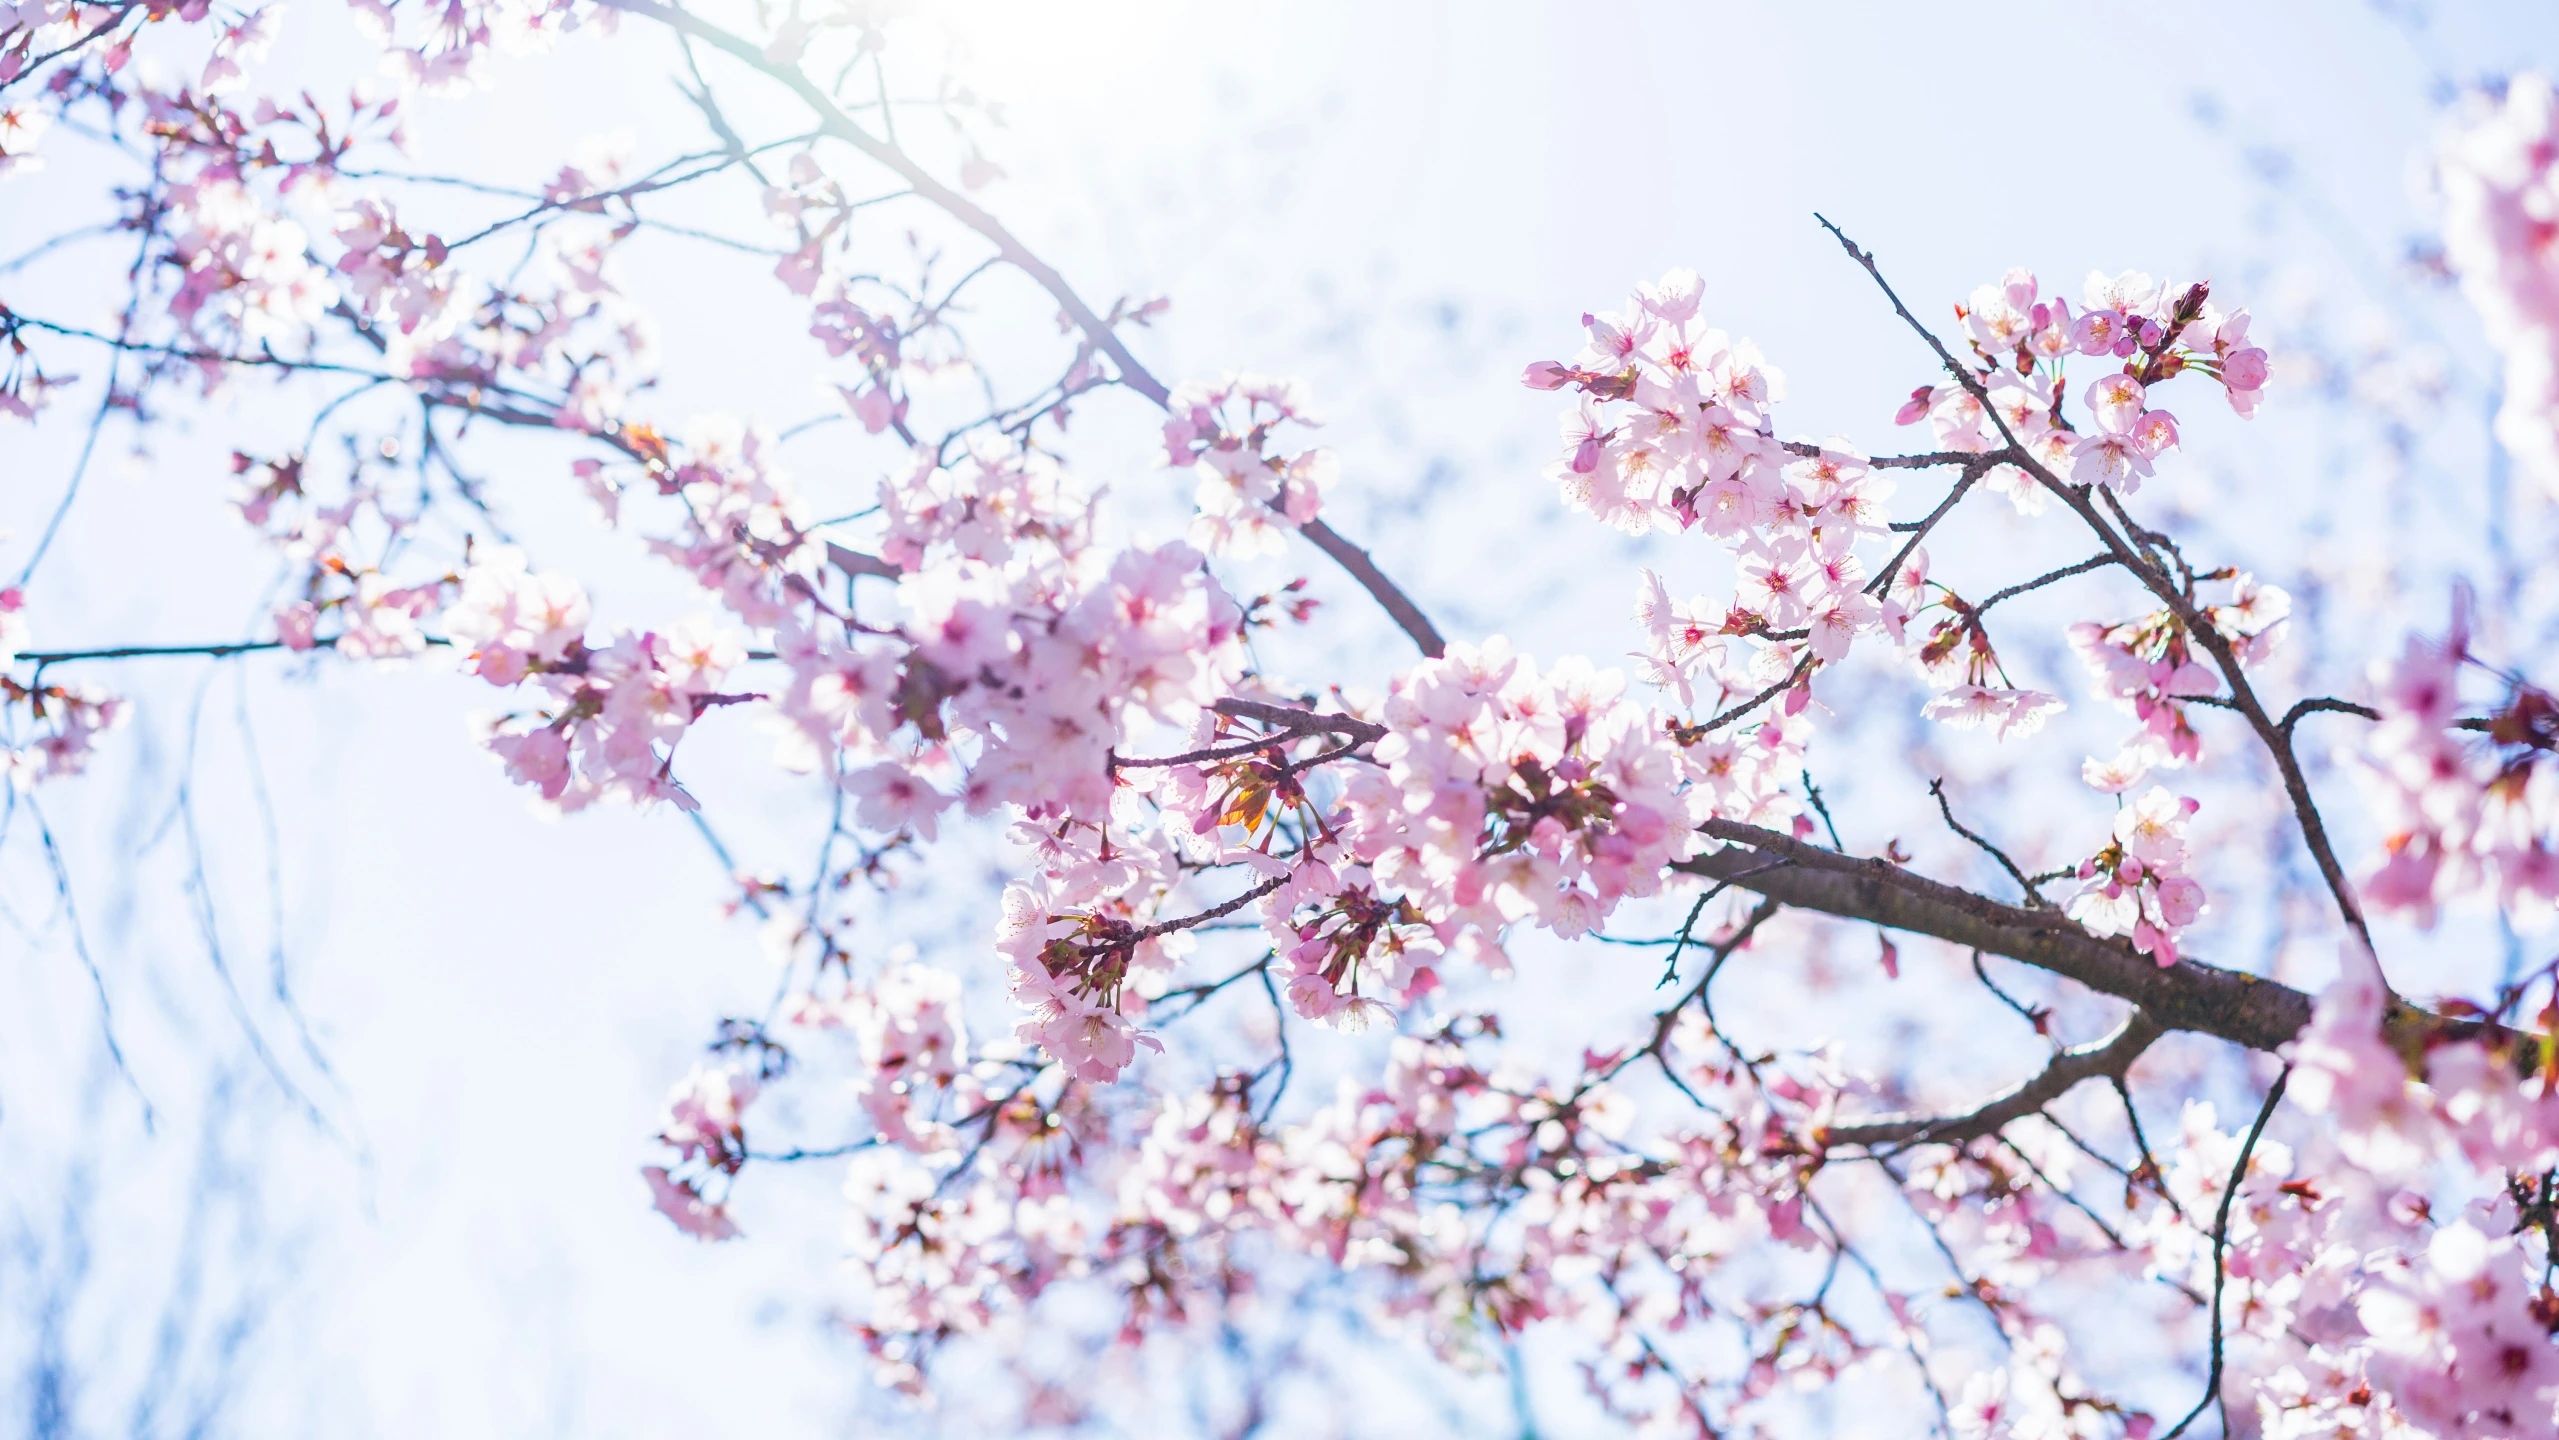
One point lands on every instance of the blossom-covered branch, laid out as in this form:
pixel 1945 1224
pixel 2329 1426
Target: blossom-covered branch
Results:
pixel 971 620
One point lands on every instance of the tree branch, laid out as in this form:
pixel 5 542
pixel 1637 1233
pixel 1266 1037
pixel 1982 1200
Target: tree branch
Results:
pixel 1290 718
pixel 854 562
pixel 2278 742
pixel 2107 1058
pixel 2240 1008
pixel 1386 592
pixel 1975 466
pixel 2094 562
pixel 2221 1246
pixel 834 121
pixel 2034 897
pixel 135 652
pixel 1809 450
pixel 1691 734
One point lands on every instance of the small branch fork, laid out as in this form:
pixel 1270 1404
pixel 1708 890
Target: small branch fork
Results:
pixel 2034 898
pixel 1975 467
pixel 1719 952
pixel 1289 717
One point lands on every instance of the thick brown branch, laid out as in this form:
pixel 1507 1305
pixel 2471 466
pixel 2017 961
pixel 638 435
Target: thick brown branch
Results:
pixel 1397 604
pixel 1290 718
pixel 2108 1058
pixel 854 562
pixel 2240 1008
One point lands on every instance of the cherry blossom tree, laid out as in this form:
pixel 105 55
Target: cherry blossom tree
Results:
pixel 1112 1104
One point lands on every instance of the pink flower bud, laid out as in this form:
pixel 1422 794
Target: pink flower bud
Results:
pixel 2244 369
pixel 1546 375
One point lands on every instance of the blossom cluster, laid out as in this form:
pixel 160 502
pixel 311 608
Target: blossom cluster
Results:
pixel 2137 885
pixel 2385 1262
pixel 2466 808
pixel 1957 656
pixel 1250 492
pixel 1389 1178
pixel 1673 432
pixel 705 1123
pixel 1499 796
pixel 610 716
pixel 54 728
pixel 2023 342
pixel 2151 667
pixel 1510 795
pixel 2498 171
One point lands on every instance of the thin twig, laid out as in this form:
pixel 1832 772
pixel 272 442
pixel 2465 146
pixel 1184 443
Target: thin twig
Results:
pixel 2028 1013
pixel 2094 562
pixel 2221 1245
pixel 89 963
pixel 1663 1021
pixel 1975 466
pixel 1937 788
pixel 1691 734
